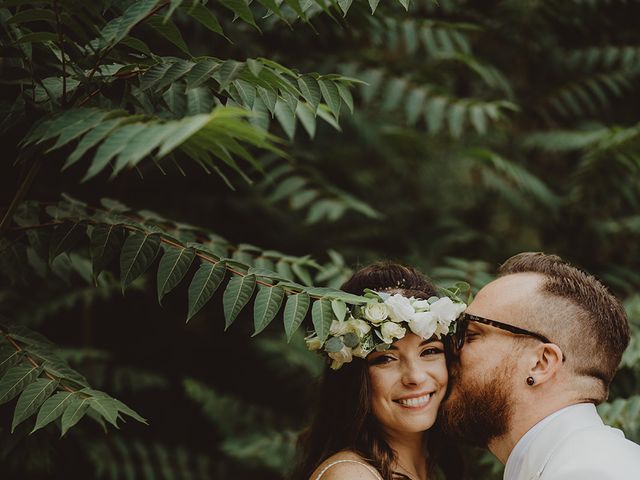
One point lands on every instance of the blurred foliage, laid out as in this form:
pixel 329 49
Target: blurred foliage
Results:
pixel 480 129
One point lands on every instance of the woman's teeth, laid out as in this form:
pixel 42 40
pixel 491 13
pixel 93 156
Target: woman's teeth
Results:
pixel 415 402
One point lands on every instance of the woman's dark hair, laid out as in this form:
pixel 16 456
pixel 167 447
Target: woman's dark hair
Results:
pixel 343 419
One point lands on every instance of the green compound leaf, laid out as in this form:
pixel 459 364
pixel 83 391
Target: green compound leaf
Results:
pixel 322 316
pixel 104 405
pixel 9 357
pixel 205 282
pixel 15 380
pixel 236 296
pixel 106 242
pixel 129 411
pixel 294 312
pixel 267 305
pixel 31 399
pixel 139 251
pixel 206 17
pixel 173 266
pixel 331 95
pixel 310 90
pixel 75 410
pixel 64 238
pixel 52 409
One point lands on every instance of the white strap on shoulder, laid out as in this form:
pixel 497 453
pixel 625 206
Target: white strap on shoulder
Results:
pixel 368 467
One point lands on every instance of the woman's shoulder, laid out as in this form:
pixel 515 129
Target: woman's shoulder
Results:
pixel 345 465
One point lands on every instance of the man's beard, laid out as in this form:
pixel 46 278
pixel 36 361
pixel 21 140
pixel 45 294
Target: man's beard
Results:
pixel 477 411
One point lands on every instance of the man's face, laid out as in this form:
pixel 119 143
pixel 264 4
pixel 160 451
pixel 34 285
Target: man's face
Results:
pixel 483 378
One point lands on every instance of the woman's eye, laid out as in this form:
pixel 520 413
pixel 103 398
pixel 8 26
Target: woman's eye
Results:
pixel 431 351
pixel 382 359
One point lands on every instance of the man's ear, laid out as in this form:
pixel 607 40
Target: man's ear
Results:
pixel 547 362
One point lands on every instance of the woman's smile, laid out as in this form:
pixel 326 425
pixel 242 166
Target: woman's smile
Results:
pixel 415 401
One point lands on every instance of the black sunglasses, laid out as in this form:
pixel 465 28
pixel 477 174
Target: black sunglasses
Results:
pixel 463 324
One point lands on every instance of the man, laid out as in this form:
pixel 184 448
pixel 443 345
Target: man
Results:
pixel 537 349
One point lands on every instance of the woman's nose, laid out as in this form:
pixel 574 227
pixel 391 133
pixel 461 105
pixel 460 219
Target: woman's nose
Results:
pixel 413 373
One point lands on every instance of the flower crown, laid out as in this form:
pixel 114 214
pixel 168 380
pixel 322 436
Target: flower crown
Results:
pixel 384 319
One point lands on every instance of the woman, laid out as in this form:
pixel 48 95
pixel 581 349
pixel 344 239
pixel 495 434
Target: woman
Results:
pixel 374 413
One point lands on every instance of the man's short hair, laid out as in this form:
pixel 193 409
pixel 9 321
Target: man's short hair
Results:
pixel 592 325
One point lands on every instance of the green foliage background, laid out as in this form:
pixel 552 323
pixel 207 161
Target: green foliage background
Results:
pixel 447 135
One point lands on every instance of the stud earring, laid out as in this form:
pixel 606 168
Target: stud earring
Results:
pixel 530 381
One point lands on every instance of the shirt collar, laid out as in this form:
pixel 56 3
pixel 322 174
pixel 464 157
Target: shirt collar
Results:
pixel 516 461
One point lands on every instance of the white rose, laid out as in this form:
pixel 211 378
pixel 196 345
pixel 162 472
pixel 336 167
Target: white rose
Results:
pixel 424 324
pixel 390 330
pixel 313 343
pixel 441 330
pixel 400 308
pixel 446 310
pixel 421 304
pixel 340 357
pixel 376 312
pixel 359 327
pixel 338 328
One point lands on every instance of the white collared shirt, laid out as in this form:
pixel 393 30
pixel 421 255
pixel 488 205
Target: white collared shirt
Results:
pixel 515 462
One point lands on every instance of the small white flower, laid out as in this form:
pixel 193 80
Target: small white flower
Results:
pixel 421 304
pixel 313 343
pixel 400 308
pixel 391 330
pixel 339 358
pixel 376 312
pixel 338 328
pixel 441 330
pixel 359 327
pixel 424 324
pixel 446 310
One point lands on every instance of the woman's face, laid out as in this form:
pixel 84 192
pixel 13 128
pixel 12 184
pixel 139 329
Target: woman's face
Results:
pixel 408 382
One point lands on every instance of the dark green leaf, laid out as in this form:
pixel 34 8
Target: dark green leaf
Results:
pixel 53 408
pixel 168 30
pixel 241 9
pixel 172 268
pixel 65 237
pixel 294 312
pixel 15 380
pixel 74 411
pixel 205 282
pixel 236 296
pixel 106 242
pixel 203 15
pixel 331 95
pixel 201 72
pixel 310 90
pixel 322 317
pixel 266 307
pixel 138 252
pixel 31 399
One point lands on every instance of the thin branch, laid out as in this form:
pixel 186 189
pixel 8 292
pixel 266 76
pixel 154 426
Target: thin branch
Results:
pixel 166 241
pixel 104 53
pixel 22 191
pixel 56 8
pixel 15 345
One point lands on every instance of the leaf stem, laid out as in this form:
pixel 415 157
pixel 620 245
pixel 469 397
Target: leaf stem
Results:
pixel 56 8
pixel 104 53
pixel 22 191
pixel 15 345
